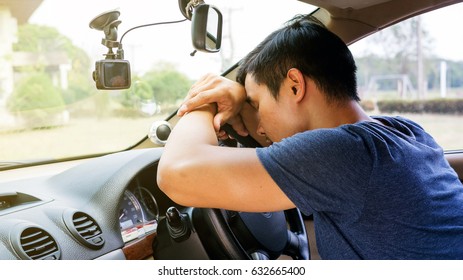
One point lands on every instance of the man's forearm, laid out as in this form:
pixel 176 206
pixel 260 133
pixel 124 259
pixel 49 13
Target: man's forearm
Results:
pixel 186 153
pixel 193 130
pixel 185 147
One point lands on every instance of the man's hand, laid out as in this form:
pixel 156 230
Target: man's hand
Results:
pixel 227 94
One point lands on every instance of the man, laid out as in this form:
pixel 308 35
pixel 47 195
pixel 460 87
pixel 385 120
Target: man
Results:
pixel 379 188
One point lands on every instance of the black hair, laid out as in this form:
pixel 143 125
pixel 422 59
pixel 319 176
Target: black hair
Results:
pixel 306 44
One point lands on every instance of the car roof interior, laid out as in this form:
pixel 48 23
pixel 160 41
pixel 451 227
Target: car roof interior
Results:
pixel 355 19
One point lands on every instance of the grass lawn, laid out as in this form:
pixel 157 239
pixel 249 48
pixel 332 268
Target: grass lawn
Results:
pixel 83 136
pixel 447 130
pixel 80 137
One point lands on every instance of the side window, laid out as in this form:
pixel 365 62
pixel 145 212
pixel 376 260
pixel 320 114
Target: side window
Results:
pixel 415 69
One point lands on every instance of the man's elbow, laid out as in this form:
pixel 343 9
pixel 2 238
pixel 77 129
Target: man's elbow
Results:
pixel 165 176
pixel 169 182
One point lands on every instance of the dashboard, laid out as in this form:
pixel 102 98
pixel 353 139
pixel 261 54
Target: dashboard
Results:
pixel 138 214
pixel 101 208
pixel 107 207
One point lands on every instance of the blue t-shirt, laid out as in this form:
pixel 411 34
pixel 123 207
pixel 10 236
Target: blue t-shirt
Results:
pixel 376 191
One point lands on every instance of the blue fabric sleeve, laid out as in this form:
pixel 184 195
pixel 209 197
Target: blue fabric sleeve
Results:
pixel 318 172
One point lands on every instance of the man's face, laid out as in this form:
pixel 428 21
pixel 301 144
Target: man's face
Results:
pixel 276 119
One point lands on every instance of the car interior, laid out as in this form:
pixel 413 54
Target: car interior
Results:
pixel 108 206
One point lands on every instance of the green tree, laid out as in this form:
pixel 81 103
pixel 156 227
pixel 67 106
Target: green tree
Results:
pixel 80 83
pixel 142 90
pixel 164 85
pixel 36 101
pixel 35 92
pixel 43 40
pixel 139 91
pixel 397 49
pixel 167 83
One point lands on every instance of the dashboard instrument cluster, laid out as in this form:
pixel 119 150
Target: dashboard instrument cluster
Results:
pixel 138 212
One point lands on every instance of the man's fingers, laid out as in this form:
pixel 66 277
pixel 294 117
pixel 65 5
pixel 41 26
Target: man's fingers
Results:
pixel 204 83
pixel 194 102
pixel 217 122
pixel 222 135
pixel 240 128
pixel 235 121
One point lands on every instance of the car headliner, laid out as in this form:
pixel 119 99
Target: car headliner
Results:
pixel 355 19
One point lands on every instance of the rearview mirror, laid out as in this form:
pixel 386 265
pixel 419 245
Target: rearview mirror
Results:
pixel 206 28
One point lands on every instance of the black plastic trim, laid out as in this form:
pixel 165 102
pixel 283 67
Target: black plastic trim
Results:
pixel 92 236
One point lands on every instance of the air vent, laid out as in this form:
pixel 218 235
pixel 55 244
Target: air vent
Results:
pixel 84 228
pixel 34 243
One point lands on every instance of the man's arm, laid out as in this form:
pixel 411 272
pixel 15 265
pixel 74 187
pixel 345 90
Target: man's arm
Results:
pixel 227 94
pixel 194 171
pixel 230 98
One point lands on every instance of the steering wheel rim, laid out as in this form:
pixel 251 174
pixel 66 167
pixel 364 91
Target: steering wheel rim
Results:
pixel 225 234
pixel 235 237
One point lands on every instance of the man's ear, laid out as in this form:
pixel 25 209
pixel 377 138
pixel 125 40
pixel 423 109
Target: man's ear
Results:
pixel 296 83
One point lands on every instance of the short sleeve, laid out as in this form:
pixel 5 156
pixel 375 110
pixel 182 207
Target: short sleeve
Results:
pixel 325 170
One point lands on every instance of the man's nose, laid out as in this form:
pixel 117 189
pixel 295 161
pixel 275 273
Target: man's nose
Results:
pixel 260 130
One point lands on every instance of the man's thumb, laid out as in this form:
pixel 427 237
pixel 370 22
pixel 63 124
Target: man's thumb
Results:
pixel 217 121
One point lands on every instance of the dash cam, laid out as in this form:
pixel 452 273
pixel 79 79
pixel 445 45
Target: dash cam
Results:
pixel 112 74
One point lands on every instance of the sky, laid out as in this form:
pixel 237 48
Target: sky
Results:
pixel 445 27
pixel 144 47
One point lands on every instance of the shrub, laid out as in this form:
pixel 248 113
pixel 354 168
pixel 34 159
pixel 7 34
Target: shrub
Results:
pixel 368 105
pixel 36 101
pixel 434 106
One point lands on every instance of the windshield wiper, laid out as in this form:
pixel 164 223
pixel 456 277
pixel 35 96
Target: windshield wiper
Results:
pixel 11 163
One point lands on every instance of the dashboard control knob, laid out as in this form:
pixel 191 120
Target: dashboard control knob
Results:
pixel 159 132
pixel 174 218
pixel 177 224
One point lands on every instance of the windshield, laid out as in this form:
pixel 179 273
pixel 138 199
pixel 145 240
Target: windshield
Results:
pixel 414 69
pixel 50 108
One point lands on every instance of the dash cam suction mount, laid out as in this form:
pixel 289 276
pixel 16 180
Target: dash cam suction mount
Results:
pixel 108 22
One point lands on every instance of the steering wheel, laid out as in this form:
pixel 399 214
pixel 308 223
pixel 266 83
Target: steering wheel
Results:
pixel 259 236
pixel 241 235
pixel 199 233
